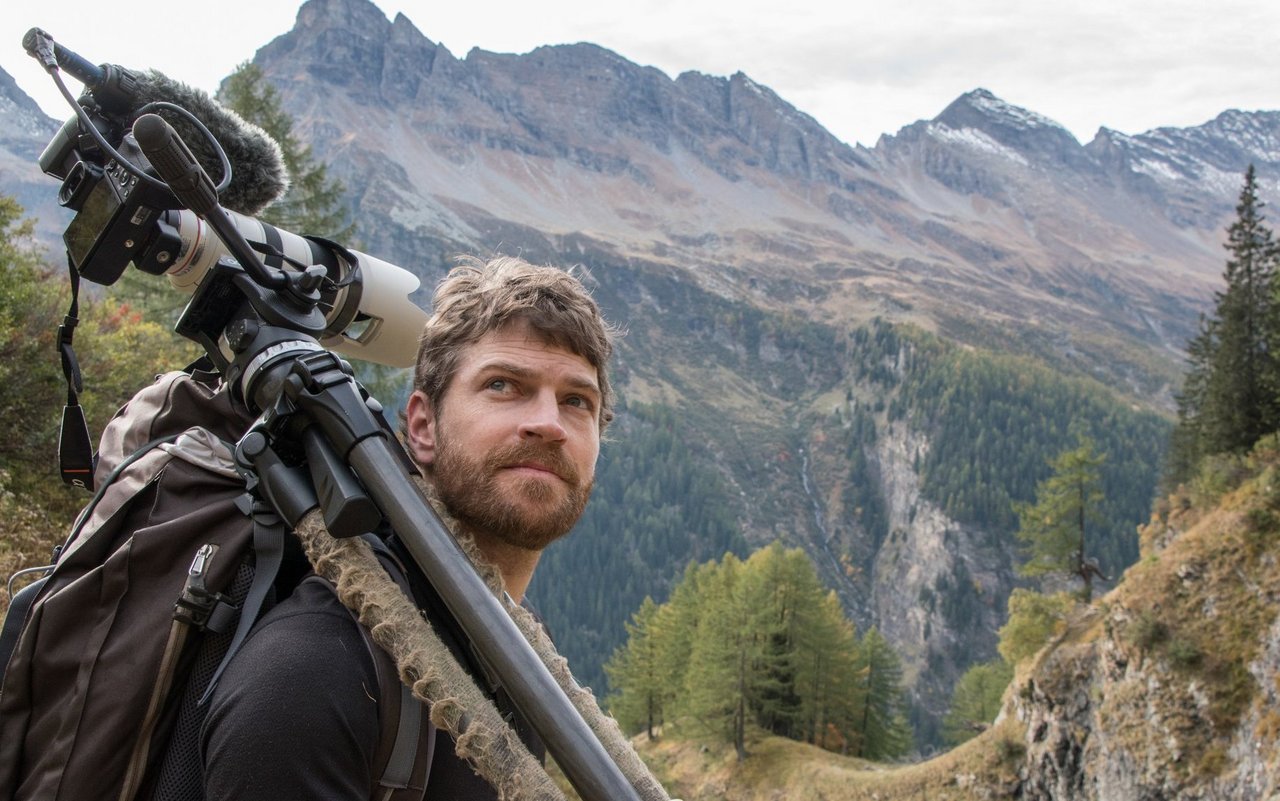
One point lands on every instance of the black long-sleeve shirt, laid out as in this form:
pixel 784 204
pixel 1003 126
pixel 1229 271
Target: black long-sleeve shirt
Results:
pixel 295 715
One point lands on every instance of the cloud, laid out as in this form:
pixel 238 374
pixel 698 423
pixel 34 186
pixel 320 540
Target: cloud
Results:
pixel 859 69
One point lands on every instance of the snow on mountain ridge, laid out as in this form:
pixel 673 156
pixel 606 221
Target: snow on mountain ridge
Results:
pixel 985 101
pixel 1207 158
pixel 975 139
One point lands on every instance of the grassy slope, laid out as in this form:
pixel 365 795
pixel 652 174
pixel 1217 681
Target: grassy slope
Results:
pixel 779 769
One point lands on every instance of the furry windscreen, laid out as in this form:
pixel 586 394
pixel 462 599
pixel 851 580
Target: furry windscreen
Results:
pixel 258 175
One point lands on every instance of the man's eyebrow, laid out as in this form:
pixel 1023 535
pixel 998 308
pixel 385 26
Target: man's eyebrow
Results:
pixel 497 366
pixel 520 371
pixel 578 382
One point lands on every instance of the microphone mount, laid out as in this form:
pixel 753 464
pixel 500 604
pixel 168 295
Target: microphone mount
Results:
pixel 114 88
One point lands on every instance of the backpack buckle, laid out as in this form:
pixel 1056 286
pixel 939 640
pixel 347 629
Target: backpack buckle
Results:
pixel 197 606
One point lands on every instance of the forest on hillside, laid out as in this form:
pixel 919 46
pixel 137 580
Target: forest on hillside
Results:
pixel 665 498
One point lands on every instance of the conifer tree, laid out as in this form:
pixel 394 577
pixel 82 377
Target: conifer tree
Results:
pixel 1229 399
pixel 639 672
pixel 1055 526
pixel 313 204
pixel 759 643
pixel 1240 392
pixel 975 702
pixel 719 686
pixel 1033 619
pixel 678 627
pixel 787 598
pixel 829 676
pixel 1186 441
pixel 882 729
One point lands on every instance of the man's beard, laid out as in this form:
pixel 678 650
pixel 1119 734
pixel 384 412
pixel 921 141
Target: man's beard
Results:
pixel 469 488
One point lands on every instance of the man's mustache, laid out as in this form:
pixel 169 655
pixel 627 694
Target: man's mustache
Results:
pixel 546 457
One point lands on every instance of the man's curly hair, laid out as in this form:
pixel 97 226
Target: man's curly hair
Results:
pixel 477 297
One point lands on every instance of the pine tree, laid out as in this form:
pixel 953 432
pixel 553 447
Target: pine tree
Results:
pixel 1055 526
pixel 1229 399
pixel 639 673
pixel 313 204
pixel 1240 399
pixel 976 700
pixel 881 727
pixel 719 686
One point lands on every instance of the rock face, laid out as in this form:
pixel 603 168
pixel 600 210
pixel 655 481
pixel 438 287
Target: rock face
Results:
pixel 1168 689
pixel 938 590
pixel 1102 728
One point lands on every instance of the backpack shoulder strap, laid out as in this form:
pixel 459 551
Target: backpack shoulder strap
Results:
pixel 268 550
pixel 406 740
pixel 15 618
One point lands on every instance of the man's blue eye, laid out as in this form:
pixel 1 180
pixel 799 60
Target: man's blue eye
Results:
pixel 498 384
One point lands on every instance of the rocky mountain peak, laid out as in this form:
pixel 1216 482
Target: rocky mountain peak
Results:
pixel 579 104
pixel 352 44
pixel 1172 165
pixel 980 108
pixel 1230 139
pixel 24 132
pixel 981 116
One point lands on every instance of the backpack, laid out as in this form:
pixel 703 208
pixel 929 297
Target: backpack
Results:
pixel 107 660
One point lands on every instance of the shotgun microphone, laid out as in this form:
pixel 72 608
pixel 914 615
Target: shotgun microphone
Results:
pixel 120 96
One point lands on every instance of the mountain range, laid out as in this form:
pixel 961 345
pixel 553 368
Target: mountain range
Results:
pixel 748 253
pixel 988 219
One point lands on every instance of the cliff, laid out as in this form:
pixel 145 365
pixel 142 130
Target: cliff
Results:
pixel 1171 689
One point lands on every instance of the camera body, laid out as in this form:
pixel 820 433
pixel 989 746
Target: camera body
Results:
pixel 118 217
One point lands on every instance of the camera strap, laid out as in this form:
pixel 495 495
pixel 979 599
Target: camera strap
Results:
pixel 75 451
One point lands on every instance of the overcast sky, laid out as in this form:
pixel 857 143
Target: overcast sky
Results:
pixel 860 68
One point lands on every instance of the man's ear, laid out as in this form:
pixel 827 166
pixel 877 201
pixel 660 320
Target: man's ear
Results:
pixel 420 428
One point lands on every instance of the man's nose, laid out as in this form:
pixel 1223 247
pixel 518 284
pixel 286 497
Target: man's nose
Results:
pixel 542 419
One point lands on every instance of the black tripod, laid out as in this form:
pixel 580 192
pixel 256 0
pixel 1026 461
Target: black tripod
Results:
pixel 318 442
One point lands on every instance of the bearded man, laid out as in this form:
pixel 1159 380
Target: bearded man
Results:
pixel 511 397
